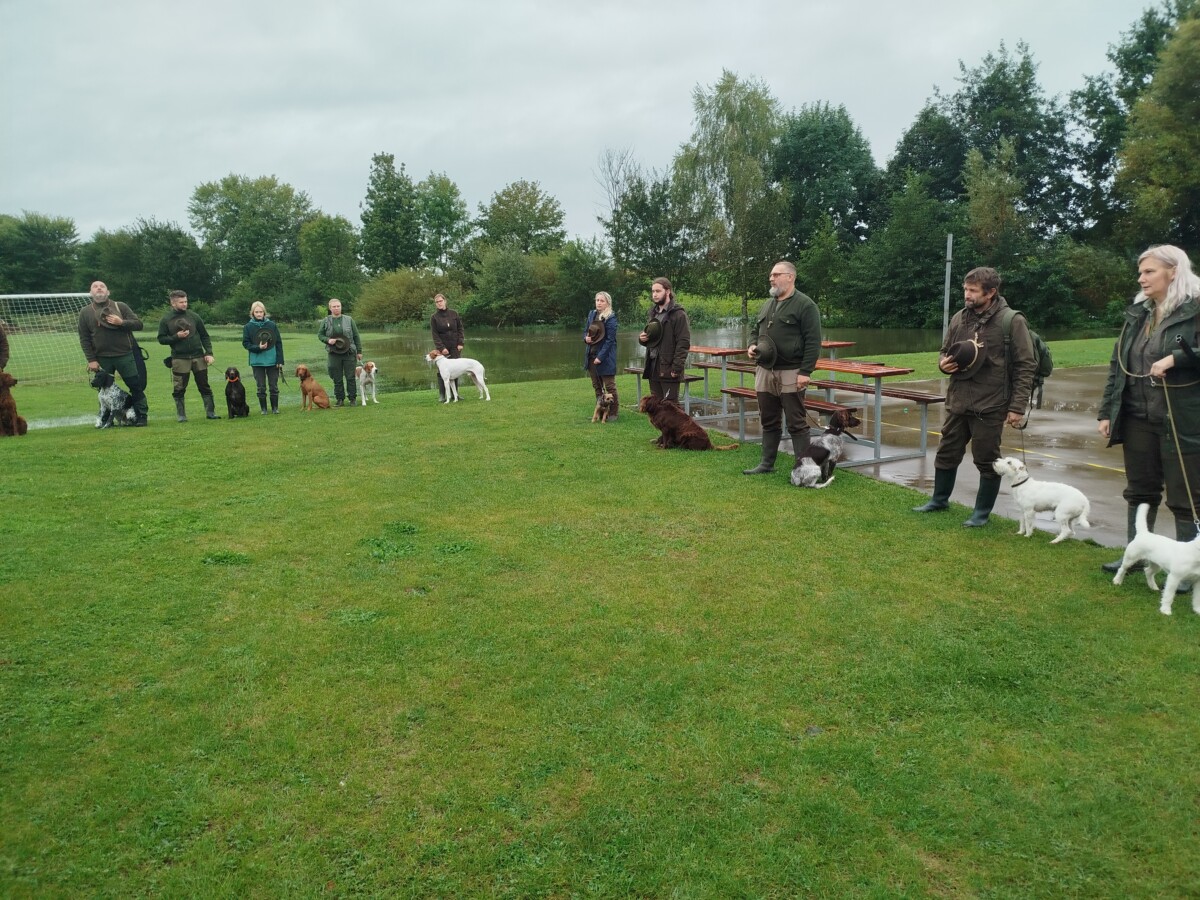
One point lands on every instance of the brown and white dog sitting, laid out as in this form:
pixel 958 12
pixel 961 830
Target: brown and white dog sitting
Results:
pixel 365 375
pixel 815 468
pixel 11 424
pixel 311 393
pixel 603 407
pixel 676 427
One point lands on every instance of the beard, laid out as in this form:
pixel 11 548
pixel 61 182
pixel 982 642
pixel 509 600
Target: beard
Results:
pixel 774 292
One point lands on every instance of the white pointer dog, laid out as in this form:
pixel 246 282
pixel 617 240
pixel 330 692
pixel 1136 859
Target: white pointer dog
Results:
pixel 451 369
pixel 1070 506
pixel 1181 561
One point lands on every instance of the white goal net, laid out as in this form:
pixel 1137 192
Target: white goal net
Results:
pixel 43 336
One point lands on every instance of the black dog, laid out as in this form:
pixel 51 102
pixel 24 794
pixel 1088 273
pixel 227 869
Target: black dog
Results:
pixel 235 394
pixel 116 404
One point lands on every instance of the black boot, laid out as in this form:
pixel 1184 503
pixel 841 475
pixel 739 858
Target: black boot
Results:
pixel 274 403
pixel 1130 530
pixel 262 404
pixel 180 413
pixel 770 449
pixel 209 410
pixel 943 487
pixel 985 499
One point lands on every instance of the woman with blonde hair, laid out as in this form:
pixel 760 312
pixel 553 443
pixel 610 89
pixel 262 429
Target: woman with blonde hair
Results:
pixel 600 352
pixel 261 338
pixel 1151 404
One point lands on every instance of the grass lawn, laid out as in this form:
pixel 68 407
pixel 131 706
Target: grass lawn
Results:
pixel 493 649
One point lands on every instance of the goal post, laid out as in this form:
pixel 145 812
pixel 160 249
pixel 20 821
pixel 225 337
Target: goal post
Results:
pixel 43 336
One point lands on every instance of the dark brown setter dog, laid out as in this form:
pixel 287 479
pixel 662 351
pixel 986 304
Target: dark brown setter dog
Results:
pixel 11 424
pixel 311 393
pixel 677 428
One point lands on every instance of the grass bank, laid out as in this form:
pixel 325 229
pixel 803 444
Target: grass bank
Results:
pixel 492 649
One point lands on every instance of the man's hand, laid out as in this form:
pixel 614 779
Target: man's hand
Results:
pixel 1014 420
pixel 113 319
pixel 209 359
pixel 948 365
pixel 752 351
pixel 802 381
pixel 93 366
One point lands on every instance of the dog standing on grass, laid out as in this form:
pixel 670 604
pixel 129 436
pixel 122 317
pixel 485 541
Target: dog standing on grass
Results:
pixel 366 375
pixel 235 394
pixel 311 393
pixel 450 369
pixel 11 424
pixel 1180 560
pixel 1070 506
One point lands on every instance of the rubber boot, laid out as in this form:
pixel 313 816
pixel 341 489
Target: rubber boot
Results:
pixel 1130 530
pixel 275 403
pixel 180 413
pixel 262 404
pixel 985 499
pixel 769 451
pixel 209 411
pixel 943 487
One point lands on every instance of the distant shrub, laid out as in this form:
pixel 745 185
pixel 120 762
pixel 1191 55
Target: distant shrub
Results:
pixel 404 295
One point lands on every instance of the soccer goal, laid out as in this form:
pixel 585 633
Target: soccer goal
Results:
pixel 43 336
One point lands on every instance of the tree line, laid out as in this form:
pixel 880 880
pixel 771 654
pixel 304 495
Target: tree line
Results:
pixel 1059 194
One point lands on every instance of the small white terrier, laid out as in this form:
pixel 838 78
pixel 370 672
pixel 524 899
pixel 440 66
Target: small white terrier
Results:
pixel 1070 506
pixel 451 369
pixel 1181 562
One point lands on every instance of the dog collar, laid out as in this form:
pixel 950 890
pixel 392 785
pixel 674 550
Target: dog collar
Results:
pixel 1021 482
pixel 232 380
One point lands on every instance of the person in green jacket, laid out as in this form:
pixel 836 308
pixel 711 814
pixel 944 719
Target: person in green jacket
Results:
pixel 339 334
pixel 191 353
pixel 106 329
pixel 261 338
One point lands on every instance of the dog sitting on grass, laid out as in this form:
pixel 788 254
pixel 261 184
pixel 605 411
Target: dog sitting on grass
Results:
pixel 235 394
pixel 116 404
pixel 11 424
pixel 677 430
pixel 815 468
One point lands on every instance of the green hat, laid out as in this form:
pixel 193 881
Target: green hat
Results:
pixel 654 333
pixel 765 352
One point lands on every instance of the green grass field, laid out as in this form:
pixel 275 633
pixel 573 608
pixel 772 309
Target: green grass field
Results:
pixel 491 649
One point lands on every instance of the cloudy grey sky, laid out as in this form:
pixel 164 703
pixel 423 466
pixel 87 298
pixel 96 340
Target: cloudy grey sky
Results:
pixel 115 109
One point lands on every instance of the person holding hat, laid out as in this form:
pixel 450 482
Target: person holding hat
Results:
pixel 106 328
pixel 600 351
pixel 339 334
pixel 785 342
pixel 989 388
pixel 261 338
pixel 667 338
pixel 191 353
pixel 447 329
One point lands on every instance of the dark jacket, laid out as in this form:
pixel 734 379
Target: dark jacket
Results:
pixel 273 355
pixel 195 345
pixel 1184 393
pixel 673 348
pixel 99 339
pixel 343 325
pixel 447 328
pixel 605 351
pixel 3 348
pixel 794 327
pixel 988 386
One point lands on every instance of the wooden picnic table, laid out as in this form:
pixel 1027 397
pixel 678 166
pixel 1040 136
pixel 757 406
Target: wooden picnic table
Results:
pixel 723 353
pixel 870 373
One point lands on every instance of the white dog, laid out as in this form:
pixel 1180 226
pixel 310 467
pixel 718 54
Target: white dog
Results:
pixel 1181 562
pixel 451 369
pixel 1070 506
pixel 365 375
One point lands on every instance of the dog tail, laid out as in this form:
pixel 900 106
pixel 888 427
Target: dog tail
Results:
pixel 730 447
pixel 1082 521
pixel 1143 512
pixel 826 484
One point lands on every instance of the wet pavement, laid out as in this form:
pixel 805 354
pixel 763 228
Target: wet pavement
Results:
pixel 1060 444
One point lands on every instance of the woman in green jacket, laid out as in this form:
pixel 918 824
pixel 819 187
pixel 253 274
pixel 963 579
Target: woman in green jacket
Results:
pixel 261 338
pixel 1151 404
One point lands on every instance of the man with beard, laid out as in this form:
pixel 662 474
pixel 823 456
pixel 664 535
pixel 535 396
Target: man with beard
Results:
pixel 989 388
pixel 191 353
pixel 106 330
pixel 784 343
pixel 667 338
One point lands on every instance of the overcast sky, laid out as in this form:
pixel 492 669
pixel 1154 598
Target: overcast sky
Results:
pixel 112 110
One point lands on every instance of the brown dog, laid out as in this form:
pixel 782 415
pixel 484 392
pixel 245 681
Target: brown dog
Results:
pixel 677 428
pixel 311 393
pixel 603 407
pixel 11 424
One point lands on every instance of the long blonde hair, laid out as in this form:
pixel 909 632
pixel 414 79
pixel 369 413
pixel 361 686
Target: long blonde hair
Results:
pixel 1185 283
pixel 608 313
pixel 257 304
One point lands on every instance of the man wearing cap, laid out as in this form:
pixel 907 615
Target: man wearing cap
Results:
pixel 784 343
pixel 191 353
pixel 447 329
pixel 339 334
pixel 667 338
pixel 989 388
pixel 106 329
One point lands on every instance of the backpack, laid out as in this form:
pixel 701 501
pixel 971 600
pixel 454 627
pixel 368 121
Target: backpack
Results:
pixel 1043 362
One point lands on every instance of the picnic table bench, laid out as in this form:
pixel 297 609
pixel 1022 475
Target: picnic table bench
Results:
pixel 742 394
pixel 923 398
pixel 685 380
